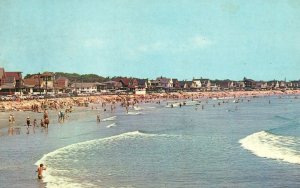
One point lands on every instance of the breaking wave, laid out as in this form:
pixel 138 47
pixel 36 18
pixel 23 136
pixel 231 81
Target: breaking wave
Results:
pixel 57 175
pixel 272 146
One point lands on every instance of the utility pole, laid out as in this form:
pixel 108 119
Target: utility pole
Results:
pixel 46 84
pixel 54 82
pixel 39 75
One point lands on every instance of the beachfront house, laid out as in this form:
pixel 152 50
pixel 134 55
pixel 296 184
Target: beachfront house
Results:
pixel 47 81
pixel 196 84
pixel 40 83
pixel 240 85
pixel 8 85
pixel 186 85
pixel 214 86
pixel 31 86
pixel 84 87
pixel 294 84
pixel 201 84
pixel 110 86
pixel 249 84
pixel 142 83
pixel 61 85
pixel 153 84
pixel 11 82
pixel 261 85
pixel 289 85
pixel 176 84
pixel 224 85
pixel 128 84
pixel 205 84
pixel 165 83
pixel 276 85
pixel 282 85
pixel 16 79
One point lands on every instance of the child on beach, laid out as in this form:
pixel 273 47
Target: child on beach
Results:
pixel 42 123
pixel 40 170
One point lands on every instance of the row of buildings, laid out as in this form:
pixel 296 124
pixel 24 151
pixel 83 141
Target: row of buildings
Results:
pixel 48 84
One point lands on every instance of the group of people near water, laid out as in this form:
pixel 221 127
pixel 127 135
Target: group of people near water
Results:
pixel 43 122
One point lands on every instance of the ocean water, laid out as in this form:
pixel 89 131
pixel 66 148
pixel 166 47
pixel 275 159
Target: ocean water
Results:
pixel 253 143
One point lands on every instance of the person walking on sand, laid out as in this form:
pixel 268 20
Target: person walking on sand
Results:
pixel 40 170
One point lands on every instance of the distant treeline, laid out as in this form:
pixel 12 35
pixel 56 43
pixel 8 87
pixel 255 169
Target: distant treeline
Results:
pixel 74 77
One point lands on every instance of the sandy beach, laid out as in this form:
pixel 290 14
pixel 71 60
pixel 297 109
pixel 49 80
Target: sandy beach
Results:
pixel 62 103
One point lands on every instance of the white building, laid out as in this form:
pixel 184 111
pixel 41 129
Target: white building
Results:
pixel 84 87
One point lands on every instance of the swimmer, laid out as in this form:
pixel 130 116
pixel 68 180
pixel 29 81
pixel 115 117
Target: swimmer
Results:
pixel 40 171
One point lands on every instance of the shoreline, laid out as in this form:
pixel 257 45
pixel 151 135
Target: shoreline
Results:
pixel 39 105
pixel 63 136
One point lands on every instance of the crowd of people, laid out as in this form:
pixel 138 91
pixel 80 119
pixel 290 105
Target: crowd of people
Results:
pixel 109 103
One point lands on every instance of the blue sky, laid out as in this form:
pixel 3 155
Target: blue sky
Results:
pixel 149 38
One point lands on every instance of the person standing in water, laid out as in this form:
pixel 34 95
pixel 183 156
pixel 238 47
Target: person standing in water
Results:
pixel 34 123
pixel 10 119
pixel 46 122
pixel 98 118
pixel 42 123
pixel 40 170
pixel 28 122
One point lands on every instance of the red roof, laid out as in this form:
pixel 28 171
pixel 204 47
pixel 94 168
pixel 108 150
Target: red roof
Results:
pixel 16 75
pixel 31 81
pixel 124 81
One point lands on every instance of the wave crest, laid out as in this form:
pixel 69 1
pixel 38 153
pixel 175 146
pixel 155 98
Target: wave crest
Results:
pixel 268 145
pixel 55 177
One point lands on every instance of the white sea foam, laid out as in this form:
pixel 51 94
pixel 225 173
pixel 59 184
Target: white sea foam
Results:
pixel 174 105
pixel 151 107
pixel 63 182
pixel 191 103
pixel 265 144
pixel 111 125
pixel 137 108
pixel 54 181
pixel 135 113
pixel 110 118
